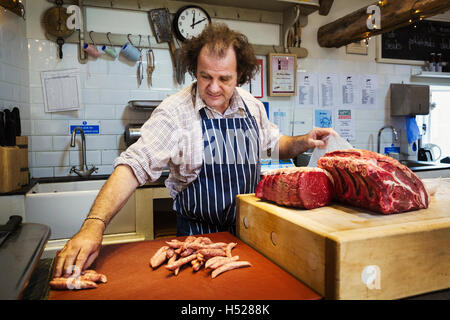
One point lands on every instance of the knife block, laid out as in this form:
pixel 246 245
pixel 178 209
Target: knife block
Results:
pixel 14 165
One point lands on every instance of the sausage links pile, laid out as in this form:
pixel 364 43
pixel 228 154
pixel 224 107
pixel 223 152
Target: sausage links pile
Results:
pixel 198 251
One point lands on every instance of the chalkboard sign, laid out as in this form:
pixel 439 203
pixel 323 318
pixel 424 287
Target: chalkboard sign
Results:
pixel 409 43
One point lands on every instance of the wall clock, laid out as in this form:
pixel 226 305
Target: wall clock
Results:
pixel 189 21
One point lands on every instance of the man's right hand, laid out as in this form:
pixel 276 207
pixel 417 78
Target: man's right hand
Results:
pixel 80 251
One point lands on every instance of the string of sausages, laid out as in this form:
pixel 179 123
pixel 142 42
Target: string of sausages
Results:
pixel 199 251
pixel 87 280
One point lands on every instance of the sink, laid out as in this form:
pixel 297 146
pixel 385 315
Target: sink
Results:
pixel 63 206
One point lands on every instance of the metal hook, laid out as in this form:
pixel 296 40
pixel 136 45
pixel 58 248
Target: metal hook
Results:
pixel 139 45
pixel 107 37
pixel 128 37
pixel 90 36
pixel 149 41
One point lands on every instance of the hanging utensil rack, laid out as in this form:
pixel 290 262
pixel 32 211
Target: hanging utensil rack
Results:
pixel 268 11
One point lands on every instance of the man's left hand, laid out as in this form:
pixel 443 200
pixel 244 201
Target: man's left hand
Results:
pixel 318 137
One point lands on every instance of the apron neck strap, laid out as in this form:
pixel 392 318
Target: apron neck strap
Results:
pixel 204 116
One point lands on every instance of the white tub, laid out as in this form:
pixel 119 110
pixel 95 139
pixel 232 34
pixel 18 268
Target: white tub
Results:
pixel 63 206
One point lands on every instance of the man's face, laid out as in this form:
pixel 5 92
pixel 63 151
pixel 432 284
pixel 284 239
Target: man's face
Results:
pixel 216 78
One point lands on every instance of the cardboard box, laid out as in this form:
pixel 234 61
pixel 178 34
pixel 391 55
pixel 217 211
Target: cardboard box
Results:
pixel 344 252
pixel 14 166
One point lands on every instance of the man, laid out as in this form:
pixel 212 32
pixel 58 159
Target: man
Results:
pixel 211 135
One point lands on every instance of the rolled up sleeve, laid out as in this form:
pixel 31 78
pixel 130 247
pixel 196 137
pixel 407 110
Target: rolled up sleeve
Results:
pixel 148 156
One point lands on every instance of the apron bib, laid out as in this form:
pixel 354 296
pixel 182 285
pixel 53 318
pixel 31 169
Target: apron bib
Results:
pixel 231 166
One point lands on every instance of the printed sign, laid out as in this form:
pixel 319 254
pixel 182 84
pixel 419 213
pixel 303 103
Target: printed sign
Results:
pixel 92 127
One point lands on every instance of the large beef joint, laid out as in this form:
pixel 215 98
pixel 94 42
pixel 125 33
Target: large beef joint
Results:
pixel 301 187
pixel 370 180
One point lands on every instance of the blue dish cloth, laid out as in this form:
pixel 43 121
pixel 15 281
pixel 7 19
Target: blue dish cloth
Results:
pixel 412 130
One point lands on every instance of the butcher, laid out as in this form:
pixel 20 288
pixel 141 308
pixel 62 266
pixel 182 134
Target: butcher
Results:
pixel 211 135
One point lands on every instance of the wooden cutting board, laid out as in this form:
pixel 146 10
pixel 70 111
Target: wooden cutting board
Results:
pixel 131 277
pixel 344 252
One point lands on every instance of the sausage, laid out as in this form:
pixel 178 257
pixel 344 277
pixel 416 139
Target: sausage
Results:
pixel 212 252
pixel 230 266
pixel 174 244
pixel 159 257
pixel 92 275
pixel 172 259
pixel 220 261
pixel 187 252
pixel 170 253
pixel 229 247
pixel 180 262
pixel 71 283
pixel 196 264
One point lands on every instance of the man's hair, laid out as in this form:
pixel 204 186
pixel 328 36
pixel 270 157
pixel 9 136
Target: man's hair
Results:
pixel 218 38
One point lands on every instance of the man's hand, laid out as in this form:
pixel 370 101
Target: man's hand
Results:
pixel 290 147
pixel 80 251
pixel 317 137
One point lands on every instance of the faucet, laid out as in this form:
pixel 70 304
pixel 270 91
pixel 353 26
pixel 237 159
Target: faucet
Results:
pixel 394 132
pixel 85 171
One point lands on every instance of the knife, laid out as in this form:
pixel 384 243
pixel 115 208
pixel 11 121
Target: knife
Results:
pixel 10 129
pixel 16 117
pixel 11 226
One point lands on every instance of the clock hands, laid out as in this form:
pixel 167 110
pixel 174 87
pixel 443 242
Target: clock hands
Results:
pixel 199 21
pixel 193 20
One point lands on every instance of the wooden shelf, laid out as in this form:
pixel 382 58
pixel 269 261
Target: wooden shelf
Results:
pixel 117 40
pixel 261 11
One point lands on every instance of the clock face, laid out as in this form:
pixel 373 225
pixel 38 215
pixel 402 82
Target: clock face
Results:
pixel 190 21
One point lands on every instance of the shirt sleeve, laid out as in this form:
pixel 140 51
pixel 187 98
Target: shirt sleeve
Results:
pixel 148 156
pixel 270 133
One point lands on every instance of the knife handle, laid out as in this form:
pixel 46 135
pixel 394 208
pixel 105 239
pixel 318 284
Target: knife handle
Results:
pixel 12 224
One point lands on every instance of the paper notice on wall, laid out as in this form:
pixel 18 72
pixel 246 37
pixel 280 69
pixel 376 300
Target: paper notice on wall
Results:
pixel 307 93
pixel 350 89
pixel 328 90
pixel 62 90
pixel 345 124
pixel 303 121
pixel 279 117
pixel 369 86
pixel 323 118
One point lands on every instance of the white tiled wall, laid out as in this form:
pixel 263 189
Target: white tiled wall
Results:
pixel 14 83
pixel 108 85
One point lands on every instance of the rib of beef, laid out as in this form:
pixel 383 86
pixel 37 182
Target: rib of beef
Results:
pixel 370 180
pixel 301 187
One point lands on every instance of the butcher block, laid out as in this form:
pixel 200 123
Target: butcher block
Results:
pixel 343 252
pixel 131 278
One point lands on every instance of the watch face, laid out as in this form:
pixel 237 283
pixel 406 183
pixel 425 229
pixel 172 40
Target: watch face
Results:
pixel 190 22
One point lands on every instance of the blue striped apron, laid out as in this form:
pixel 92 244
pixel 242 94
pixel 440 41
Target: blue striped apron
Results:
pixel 230 166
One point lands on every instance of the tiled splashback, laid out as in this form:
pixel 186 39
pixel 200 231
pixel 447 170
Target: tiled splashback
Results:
pixel 107 86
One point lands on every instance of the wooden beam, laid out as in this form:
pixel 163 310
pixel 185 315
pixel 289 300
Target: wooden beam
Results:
pixel 394 15
pixel 325 6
